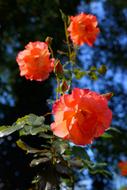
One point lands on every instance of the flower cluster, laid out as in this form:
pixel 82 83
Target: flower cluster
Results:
pixel 82 115
pixel 35 62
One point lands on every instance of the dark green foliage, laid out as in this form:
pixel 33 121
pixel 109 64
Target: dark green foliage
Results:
pixel 56 153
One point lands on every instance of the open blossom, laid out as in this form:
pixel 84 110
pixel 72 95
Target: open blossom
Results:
pixel 35 62
pixel 81 116
pixel 123 168
pixel 83 29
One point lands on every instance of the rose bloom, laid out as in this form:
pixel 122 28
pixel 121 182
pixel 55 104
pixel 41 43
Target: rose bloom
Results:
pixel 81 116
pixel 123 168
pixel 35 62
pixel 83 29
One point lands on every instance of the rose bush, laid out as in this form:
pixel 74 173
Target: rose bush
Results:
pixel 81 116
pixel 83 29
pixel 35 62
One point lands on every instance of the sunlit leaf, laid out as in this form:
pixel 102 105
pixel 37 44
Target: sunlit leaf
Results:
pixel 114 129
pixel 7 130
pixel 27 148
pixel 32 130
pixel 31 119
pixel 27 125
pixel 32 125
pixel 106 135
pixel 38 161
pixel 93 68
pixel 102 70
pixel 92 75
pixel 36 179
pixel 79 74
pixel 64 17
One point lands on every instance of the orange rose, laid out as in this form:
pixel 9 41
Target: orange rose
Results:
pixel 35 62
pixel 123 168
pixel 81 116
pixel 83 29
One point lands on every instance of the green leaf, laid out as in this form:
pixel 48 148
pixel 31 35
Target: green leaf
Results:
pixel 36 120
pixel 46 136
pixel 67 74
pixel 99 165
pixel 100 168
pixel 32 130
pixel 101 171
pixel 114 129
pixel 102 70
pixel 79 74
pixel 92 75
pixel 60 146
pixel 93 68
pixel 27 148
pixel 77 163
pixel 30 119
pixel 80 152
pixel 64 17
pixel 27 125
pixel 7 130
pixel 106 135
pixel 32 125
pixel 36 179
pixel 95 168
pixel 38 161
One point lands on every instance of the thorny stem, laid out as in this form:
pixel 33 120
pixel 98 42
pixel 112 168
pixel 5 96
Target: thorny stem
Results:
pixel 58 81
pixel 69 49
pixel 58 88
pixel 67 40
pixel 53 150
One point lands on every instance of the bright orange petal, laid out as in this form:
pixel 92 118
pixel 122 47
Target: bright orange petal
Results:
pixel 60 129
